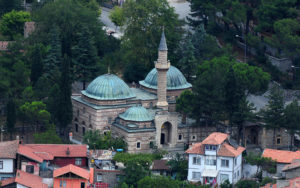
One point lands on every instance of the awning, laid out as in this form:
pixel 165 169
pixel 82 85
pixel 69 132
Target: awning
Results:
pixel 210 173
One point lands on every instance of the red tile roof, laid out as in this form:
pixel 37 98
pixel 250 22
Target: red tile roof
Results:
pixel 293 165
pixel 269 185
pixel 26 179
pixel 73 169
pixel 227 150
pixel 40 152
pixel 10 148
pixel 281 156
pixel 215 138
pixel 197 148
pixel 8 181
pixel 160 165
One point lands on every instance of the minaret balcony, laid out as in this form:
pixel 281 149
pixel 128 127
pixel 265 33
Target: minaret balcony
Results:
pixel 162 65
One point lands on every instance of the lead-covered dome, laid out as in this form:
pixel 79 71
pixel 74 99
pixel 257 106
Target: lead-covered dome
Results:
pixel 175 79
pixel 108 87
pixel 136 113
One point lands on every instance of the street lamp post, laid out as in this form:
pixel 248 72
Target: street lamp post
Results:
pixel 245 46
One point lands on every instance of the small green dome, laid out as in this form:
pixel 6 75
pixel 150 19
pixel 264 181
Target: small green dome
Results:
pixel 136 113
pixel 175 79
pixel 108 87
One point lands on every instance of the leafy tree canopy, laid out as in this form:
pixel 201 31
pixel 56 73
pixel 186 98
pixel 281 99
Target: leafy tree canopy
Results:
pixel 48 137
pixel 12 23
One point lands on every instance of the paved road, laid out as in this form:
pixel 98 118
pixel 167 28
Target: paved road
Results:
pixel 181 7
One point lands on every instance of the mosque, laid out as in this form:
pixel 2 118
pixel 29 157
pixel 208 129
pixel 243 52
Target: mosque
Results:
pixel 144 116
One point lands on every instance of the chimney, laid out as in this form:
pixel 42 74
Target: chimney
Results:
pixel 68 151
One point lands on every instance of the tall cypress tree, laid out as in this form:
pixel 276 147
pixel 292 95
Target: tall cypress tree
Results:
pixel 11 116
pixel 64 115
pixel 274 114
pixel 37 66
pixel 54 56
pixel 85 57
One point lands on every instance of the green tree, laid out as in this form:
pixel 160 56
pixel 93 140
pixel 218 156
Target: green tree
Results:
pixel 187 63
pixel 64 112
pixel 10 116
pixel 286 36
pixel 292 119
pixel 247 184
pixel 144 21
pixel 9 5
pixel 179 165
pixel 117 17
pixel 12 23
pixel 36 57
pixel 184 104
pixel 35 114
pixel 226 184
pixel 274 113
pixel 85 57
pixel 158 182
pixel 48 137
pixel 262 163
pixel 134 172
pixel 53 58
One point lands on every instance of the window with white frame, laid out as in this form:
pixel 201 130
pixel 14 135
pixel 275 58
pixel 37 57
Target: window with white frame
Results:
pixel 211 162
pixel 224 177
pixel 196 160
pixel 211 147
pixel 78 161
pixel 99 177
pixel 224 163
pixel 196 175
pixel 62 183
pixel 235 161
pixel 1 164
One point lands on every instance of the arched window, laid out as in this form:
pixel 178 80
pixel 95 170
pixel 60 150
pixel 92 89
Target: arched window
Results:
pixel 83 131
pixel 76 119
pixel 83 123
pixel 76 127
pixel 78 112
pixel 83 110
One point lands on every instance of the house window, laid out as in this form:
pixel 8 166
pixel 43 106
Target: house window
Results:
pixel 83 130
pixel 224 177
pixel 1 164
pixel 76 127
pixel 78 161
pixel 62 183
pixel 211 162
pixel 194 137
pixel 109 120
pixel 235 161
pixel 138 145
pixel 278 140
pixel 224 163
pixel 99 177
pixel 180 137
pixel 196 175
pixel 196 160
pixel 30 169
pixel 238 173
pixel 211 147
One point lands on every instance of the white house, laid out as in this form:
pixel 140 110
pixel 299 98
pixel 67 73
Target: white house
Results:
pixel 215 160
pixel 8 151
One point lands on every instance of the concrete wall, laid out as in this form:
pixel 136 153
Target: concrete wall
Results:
pixel 292 173
pixel 8 166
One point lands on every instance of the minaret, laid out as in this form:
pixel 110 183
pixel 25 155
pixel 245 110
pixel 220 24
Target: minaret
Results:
pixel 162 66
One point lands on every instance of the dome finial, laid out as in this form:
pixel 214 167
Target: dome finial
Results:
pixel 163 43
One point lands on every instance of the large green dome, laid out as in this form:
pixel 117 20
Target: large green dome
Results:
pixel 175 79
pixel 136 113
pixel 108 87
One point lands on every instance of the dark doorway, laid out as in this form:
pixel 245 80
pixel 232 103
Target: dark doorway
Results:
pixel 82 185
pixel 162 138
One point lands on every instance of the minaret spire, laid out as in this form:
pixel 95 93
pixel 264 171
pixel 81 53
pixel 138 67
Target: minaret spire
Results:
pixel 162 66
